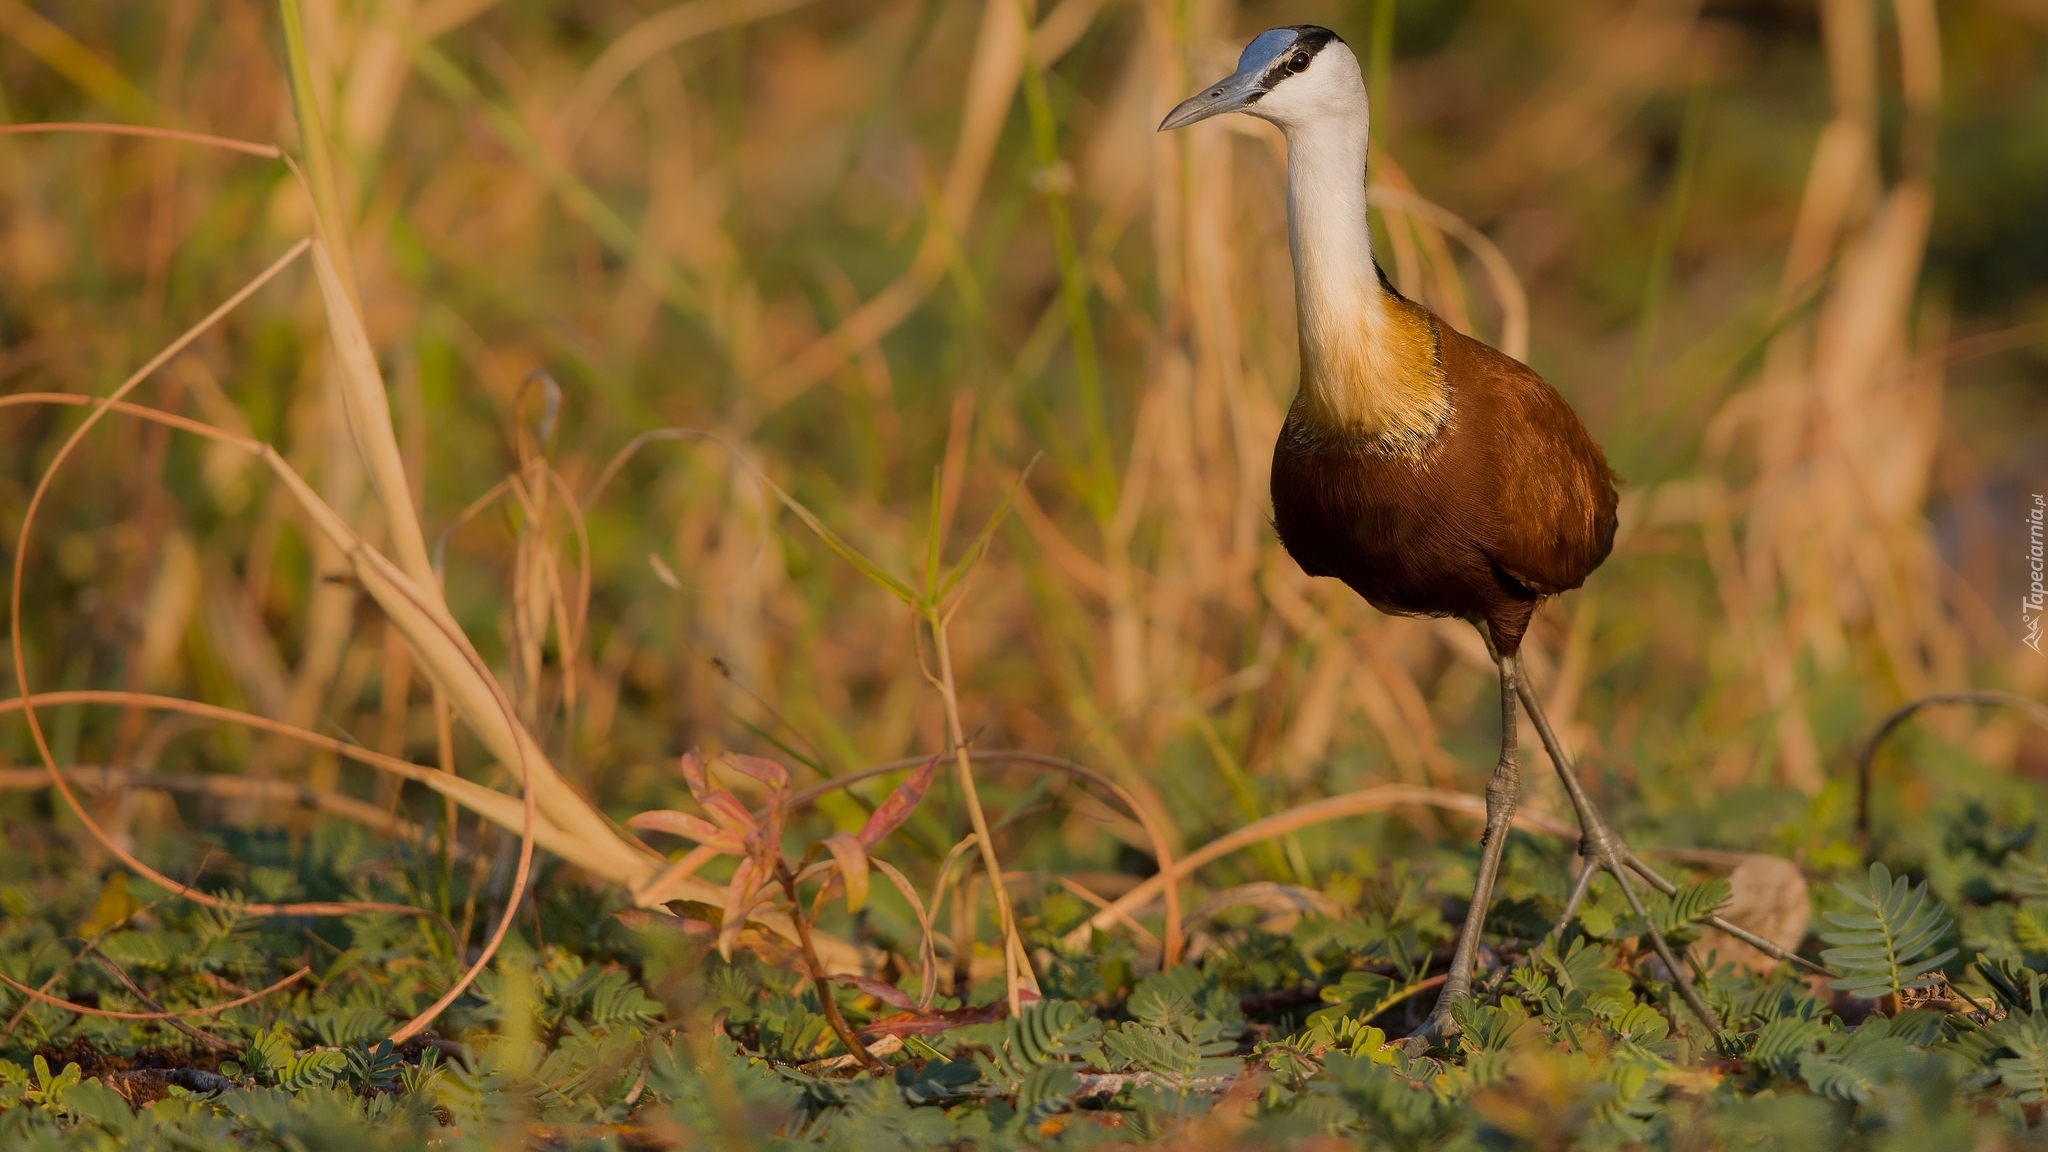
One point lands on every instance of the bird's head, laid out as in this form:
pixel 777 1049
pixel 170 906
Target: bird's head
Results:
pixel 1292 76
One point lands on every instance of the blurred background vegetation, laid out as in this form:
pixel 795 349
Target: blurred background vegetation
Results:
pixel 1788 259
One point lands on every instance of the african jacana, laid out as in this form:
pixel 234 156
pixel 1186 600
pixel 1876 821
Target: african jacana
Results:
pixel 1433 474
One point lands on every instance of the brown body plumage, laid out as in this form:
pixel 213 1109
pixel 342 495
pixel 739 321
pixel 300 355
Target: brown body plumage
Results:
pixel 1510 501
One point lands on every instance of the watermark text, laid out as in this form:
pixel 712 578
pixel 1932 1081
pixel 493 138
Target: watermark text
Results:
pixel 2035 602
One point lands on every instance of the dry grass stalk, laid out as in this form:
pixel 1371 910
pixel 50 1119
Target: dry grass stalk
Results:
pixel 1017 972
pixel 219 784
pixel 42 997
pixel 1169 624
pixel 1379 798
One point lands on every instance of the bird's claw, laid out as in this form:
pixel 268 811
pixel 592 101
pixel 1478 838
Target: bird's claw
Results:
pixel 1440 1031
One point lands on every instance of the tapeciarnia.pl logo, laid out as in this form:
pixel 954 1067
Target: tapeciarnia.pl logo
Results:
pixel 2036 599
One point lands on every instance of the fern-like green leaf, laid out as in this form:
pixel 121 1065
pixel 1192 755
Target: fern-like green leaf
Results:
pixel 2025 1072
pixel 350 1024
pixel 1046 1032
pixel 1176 1053
pixel 2016 987
pixel 1781 1042
pixel 2030 927
pixel 1049 1089
pixel 1488 1027
pixel 936 1080
pixel 268 1052
pixel 373 1066
pixel 615 1001
pixel 48 1089
pixel 1344 1034
pixel 1182 995
pixel 1399 1112
pixel 1589 968
pixel 157 951
pixel 313 1068
pixel 2022 877
pixel 1359 996
pixel 790 1030
pixel 1629 1100
pixel 1853 1065
pixel 1642 1024
pixel 1690 905
pixel 415 1079
pixel 1829 1075
pixel 1881 946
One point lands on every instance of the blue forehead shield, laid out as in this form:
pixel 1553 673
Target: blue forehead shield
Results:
pixel 1241 88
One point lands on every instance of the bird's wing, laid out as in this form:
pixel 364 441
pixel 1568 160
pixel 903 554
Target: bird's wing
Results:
pixel 1555 493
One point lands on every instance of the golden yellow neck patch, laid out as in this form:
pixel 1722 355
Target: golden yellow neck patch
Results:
pixel 1369 370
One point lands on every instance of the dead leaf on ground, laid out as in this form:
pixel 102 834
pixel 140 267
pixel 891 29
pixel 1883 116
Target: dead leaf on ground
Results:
pixel 1769 898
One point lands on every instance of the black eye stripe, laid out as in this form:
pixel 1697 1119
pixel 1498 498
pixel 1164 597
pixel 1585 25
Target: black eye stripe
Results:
pixel 1311 37
pixel 1309 40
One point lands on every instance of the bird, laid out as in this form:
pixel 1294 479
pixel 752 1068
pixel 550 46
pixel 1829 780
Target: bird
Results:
pixel 1432 473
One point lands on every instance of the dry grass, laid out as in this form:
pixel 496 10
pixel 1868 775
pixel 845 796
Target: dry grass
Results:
pixel 869 262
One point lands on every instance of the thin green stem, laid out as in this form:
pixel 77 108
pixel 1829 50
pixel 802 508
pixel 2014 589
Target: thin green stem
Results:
pixel 1380 65
pixel 1662 255
pixel 1053 177
pixel 320 174
pixel 1271 859
pixel 1015 969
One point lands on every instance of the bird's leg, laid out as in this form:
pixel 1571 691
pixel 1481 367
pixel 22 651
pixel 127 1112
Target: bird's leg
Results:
pixel 1503 792
pixel 1655 879
pixel 1587 871
pixel 1768 947
pixel 1606 851
pixel 1629 857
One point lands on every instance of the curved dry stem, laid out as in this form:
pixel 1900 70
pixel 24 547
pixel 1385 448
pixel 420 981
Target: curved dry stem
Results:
pixel 1507 286
pixel 180 1014
pixel 1091 897
pixel 140 411
pixel 993 76
pixel 334 803
pixel 246 147
pixel 1016 966
pixel 1378 798
pixel 468 513
pixel 961 950
pixel 405 769
pixel 17 643
pixel 659 33
pixel 364 559
pixel 528 816
pixel 1270 896
pixel 928 955
pixel 568 625
pixel 581 618
pixel 362 556
pixel 815 969
pixel 1866 757
pixel 1162 848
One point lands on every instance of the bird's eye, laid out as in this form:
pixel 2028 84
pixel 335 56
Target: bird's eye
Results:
pixel 1298 62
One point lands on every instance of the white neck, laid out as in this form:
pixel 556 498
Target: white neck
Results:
pixel 1368 359
pixel 1335 281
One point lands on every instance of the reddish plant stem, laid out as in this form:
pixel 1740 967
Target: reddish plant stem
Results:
pixel 817 973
